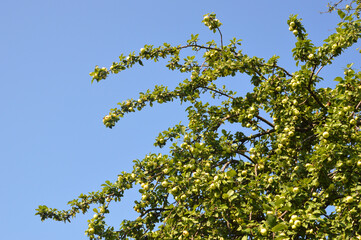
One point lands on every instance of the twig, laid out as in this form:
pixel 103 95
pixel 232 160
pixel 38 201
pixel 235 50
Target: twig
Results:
pixel 264 120
pixel 257 135
pixel 358 105
pixel 226 165
pixel 220 33
pixel 221 93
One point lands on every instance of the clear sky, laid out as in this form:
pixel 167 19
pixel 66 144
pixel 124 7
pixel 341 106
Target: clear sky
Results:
pixel 53 145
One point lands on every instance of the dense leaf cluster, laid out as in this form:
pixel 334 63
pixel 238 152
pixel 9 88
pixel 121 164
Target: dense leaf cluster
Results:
pixel 303 156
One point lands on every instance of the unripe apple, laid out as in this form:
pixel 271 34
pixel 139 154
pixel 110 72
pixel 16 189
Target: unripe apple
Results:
pixel 310 56
pixel 296 190
pixel 102 210
pixel 359 163
pixel 263 231
pixel 91 230
pixel 295 32
pixel 174 190
pixel 292 24
pixel 349 199
pixel 185 233
pixel 244 173
pixel 325 134
pixel 352 121
pixel 145 187
pixel 290 28
pixel 297 223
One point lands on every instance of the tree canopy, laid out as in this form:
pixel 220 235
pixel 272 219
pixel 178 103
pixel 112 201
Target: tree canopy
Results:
pixel 292 153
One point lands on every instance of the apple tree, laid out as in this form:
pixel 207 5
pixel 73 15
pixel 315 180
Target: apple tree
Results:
pixel 289 167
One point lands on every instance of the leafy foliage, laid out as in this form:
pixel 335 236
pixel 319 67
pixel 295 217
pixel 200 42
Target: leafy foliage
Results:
pixel 304 154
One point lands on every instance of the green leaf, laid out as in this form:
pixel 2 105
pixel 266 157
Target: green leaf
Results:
pixel 338 79
pixel 279 227
pixel 271 220
pixel 341 14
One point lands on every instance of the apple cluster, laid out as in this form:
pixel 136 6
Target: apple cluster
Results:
pixel 211 22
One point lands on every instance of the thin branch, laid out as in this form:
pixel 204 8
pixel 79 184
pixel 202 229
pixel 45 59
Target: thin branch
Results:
pixel 226 165
pixel 244 155
pixel 152 209
pixel 219 92
pixel 318 71
pixel 278 67
pixel 358 105
pixel 265 121
pixel 199 46
pixel 220 33
pixel 257 135
pixel 310 90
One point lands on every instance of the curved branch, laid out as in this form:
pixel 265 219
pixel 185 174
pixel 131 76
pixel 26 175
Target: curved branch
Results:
pixel 220 33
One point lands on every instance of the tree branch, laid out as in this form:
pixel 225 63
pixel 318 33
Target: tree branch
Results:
pixel 265 121
pixel 311 92
pixel 221 93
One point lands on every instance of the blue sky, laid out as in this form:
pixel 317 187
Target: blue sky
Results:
pixel 53 143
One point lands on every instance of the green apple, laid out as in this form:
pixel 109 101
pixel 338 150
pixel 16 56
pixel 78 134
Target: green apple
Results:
pixel 145 186
pixel 91 230
pixel 292 24
pixel 349 199
pixel 295 32
pixel 183 197
pixel 165 183
pixel 297 223
pixel 102 209
pixel 263 231
pixel 310 56
pixel 185 233
pixel 325 134
pixel 359 163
